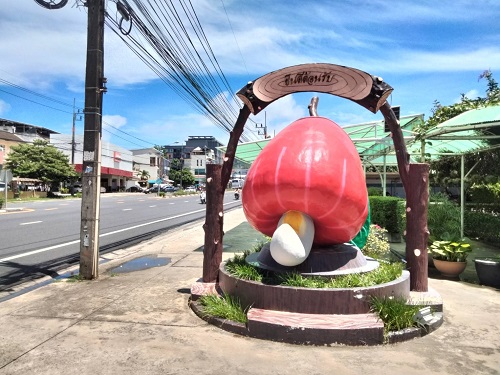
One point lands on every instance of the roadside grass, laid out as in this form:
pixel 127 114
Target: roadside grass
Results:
pixel 395 313
pixel 74 278
pixel 225 307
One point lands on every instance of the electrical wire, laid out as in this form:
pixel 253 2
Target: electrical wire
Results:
pixel 179 52
pixel 50 99
pixel 32 101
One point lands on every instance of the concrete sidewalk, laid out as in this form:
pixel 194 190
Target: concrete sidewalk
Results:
pixel 140 323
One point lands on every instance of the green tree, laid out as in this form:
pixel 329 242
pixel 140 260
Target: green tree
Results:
pixel 176 164
pixel 187 177
pixel 41 161
pixel 144 174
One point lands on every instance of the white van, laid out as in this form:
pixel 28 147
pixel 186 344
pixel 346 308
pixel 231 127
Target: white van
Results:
pixel 2 186
pixel 237 183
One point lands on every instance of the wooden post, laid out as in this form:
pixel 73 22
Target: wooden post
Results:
pixel 219 176
pixel 214 224
pixel 417 233
pixel 415 179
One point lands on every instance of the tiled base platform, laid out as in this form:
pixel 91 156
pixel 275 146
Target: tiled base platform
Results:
pixel 293 316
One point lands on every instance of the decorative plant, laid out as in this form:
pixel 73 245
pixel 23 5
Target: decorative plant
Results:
pixel 450 251
pixel 376 245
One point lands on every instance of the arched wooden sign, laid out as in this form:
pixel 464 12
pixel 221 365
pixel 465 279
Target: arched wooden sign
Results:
pixel 368 91
pixel 353 84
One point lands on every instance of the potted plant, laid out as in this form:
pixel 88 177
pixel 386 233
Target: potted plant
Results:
pixel 450 257
pixel 488 271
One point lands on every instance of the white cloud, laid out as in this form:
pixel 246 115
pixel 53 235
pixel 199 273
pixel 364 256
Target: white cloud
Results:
pixel 471 94
pixel 110 126
pixel 417 45
pixel 115 121
pixel 4 107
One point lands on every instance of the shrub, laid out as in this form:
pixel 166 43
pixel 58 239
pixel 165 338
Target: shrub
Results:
pixel 374 192
pixel 486 196
pixel 483 226
pixel 161 194
pixel 443 219
pixel 376 245
pixel 1 202
pixel 385 212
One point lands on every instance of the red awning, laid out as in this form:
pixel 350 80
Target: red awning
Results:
pixel 107 170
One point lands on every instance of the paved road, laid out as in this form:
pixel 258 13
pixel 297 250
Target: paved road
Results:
pixel 45 236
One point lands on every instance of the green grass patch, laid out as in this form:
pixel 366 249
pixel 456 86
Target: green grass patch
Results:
pixel 225 307
pixel 395 313
pixel 385 273
pixel 238 267
pixel 75 278
pixel 245 272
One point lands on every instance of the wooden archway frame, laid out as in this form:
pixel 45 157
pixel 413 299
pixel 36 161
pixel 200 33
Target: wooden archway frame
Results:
pixel 368 91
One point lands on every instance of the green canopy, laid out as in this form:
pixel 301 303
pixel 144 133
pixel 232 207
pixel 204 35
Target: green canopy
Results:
pixel 458 136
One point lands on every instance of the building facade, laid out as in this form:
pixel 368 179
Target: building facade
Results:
pixel 149 165
pixel 116 161
pixel 195 154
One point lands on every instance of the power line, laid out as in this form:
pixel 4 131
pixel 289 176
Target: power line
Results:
pixel 234 36
pixel 63 111
pixel 35 93
pixel 35 102
pixel 183 57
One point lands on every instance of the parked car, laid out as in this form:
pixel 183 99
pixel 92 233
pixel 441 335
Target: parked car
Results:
pixel 135 189
pixel 103 189
pixel 153 189
pixel 190 189
pixel 170 189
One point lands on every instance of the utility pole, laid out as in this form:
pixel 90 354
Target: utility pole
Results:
pixel 91 173
pixel 260 126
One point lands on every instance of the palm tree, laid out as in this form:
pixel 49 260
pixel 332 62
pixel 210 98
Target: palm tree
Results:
pixel 144 175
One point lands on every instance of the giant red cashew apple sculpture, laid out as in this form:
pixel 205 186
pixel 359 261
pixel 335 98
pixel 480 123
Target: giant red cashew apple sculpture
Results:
pixel 306 186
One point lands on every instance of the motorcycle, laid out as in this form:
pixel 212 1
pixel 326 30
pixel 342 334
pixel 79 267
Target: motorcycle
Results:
pixel 236 195
pixel 203 198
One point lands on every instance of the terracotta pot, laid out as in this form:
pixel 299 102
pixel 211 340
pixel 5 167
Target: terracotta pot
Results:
pixel 450 269
pixel 488 271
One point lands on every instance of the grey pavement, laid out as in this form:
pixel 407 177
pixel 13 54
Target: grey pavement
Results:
pixel 140 322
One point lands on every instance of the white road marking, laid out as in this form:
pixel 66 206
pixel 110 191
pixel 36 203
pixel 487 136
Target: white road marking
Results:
pixel 153 206
pixel 31 222
pixel 127 209
pixel 51 209
pixel 102 235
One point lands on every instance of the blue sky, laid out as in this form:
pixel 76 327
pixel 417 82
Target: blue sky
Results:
pixel 426 50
